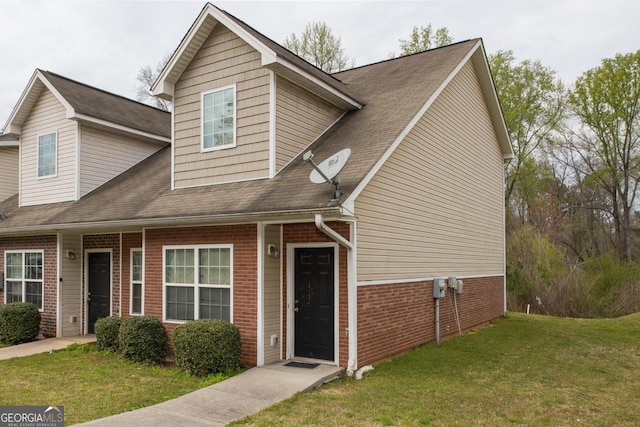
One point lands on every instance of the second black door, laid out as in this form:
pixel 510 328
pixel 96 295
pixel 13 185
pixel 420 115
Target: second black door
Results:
pixel 314 303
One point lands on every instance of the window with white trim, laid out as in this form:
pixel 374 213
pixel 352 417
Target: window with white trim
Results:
pixel 24 277
pixel 47 154
pixel 219 119
pixel 137 285
pixel 198 282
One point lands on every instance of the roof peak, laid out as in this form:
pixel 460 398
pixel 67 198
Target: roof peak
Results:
pixel 60 76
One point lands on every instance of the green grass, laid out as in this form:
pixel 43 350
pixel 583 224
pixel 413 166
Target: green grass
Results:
pixel 521 371
pixel 91 384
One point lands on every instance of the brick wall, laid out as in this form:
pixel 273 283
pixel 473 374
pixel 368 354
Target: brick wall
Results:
pixel 398 317
pixel 308 233
pixel 112 242
pixel 49 244
pixel 129 241
pixel 245 289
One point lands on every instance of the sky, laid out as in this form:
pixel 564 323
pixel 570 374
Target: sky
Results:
pixel 105 43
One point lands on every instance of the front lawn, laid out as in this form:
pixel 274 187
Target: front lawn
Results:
pixel 91 384
pixel 524 370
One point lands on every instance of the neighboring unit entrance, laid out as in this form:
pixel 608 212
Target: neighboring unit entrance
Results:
pixel 314 303
pixel 99 287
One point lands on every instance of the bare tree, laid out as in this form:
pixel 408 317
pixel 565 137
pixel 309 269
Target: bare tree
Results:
pixel 145 79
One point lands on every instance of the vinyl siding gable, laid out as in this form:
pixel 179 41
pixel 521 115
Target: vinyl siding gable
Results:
pixel 301 117
pixel 104 155
pixel 48 115
pixel 223 60
pixel 435 208
pixel 8 172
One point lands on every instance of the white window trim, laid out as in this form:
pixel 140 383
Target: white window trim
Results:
pixel 55 173
pixel 23 279
pixel 136 282
pixel 235 119
pixel 196 286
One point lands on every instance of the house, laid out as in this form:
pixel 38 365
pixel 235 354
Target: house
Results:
pixel 210 213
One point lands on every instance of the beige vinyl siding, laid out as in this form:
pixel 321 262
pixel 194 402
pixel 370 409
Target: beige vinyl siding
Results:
pixel 8 172
pixel 104 155
pixel 223 60
pixel 71 285
pixel 271 295
pixel 300 118
pixel 48 115
pixel 436 207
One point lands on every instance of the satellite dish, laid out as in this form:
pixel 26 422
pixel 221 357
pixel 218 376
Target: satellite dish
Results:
pixel 328 169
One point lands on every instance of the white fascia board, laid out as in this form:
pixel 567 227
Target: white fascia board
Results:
pixel 350 201
pixel 268 56
pixel 356 104
pixel 162 87
pixel 487 85
pixel 9 143
pixel 69 109
pixel 106 123
pixel 13 130
pixel 9 126
pixel 16 129
pixel 165 90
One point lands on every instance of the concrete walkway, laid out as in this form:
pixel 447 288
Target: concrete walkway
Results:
pixel 43 346
pixel 216 405
pixel 227 401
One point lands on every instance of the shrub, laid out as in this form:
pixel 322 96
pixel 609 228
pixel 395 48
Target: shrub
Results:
pixel 107 330
pixel 19 322
pixel 206 346
pixel 143 339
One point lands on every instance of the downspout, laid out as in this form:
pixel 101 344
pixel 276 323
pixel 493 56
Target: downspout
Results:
pixel 351 285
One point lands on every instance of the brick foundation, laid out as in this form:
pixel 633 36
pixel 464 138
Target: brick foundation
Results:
pixel 398 317
pixel 245 289
pixel 49 244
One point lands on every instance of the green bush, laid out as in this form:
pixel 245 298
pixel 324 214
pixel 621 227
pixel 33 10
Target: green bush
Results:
pixel 107 330
pixel 206 346
pixel 143 339
pixel 19 322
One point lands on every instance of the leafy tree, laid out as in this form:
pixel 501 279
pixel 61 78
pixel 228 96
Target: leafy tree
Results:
pixel 533 106
pixel 424 38
pixel 320 47
pixel 145 79
pixel 606 100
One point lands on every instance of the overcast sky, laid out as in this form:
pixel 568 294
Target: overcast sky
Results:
pixel 105 43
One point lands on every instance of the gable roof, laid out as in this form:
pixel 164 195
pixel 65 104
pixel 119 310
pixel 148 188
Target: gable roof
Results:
pixel 395 92
pixel 87 103
pixel 273 55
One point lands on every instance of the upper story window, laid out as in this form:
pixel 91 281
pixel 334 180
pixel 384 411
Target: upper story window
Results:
pixel 219 119
pixel 47 154
pixel 24 277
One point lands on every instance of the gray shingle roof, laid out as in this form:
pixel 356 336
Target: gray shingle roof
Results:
pixel 394 92
pixel 102 105
pixel 329 79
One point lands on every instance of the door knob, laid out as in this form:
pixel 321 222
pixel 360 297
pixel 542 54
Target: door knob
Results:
pixel 296 309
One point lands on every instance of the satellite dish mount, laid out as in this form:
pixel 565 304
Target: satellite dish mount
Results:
pixel 328 170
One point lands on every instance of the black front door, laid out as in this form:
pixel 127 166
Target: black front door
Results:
pixel 314 303
pixel 99 295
